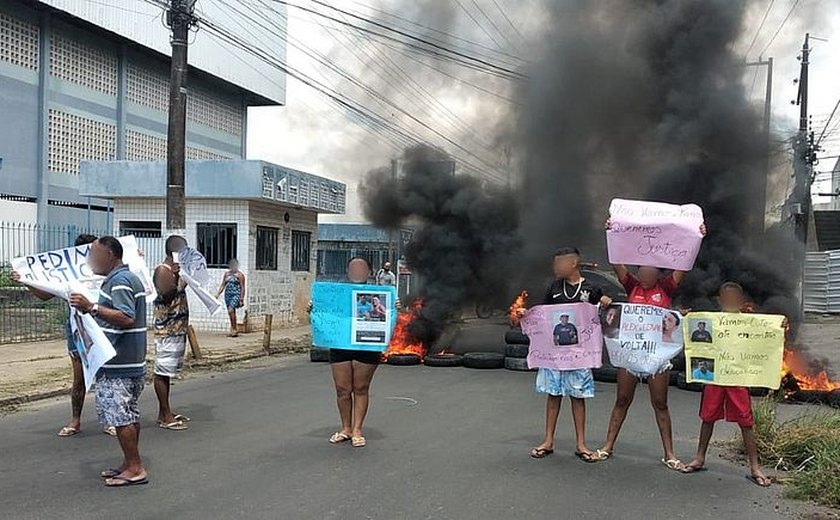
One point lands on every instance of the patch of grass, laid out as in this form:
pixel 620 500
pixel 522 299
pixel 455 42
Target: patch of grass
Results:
pixel 806 448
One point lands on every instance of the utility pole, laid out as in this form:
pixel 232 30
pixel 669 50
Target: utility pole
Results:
pixel 179 18
pixel 804 157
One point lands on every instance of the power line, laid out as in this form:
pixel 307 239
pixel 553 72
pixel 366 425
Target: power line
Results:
pixel 760 26
pixel 471 17
pixel 822 134
pixel 507 19
pixel 451 54
pixel 796 3
pixel 361 111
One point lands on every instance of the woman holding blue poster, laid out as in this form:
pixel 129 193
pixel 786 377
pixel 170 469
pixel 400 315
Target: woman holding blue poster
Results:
pixel 353 370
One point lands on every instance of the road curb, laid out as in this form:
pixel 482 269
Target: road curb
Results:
pixel 190 364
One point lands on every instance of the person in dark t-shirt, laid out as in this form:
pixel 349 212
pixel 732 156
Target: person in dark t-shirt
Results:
pixel 701 335
pixel 569 286
pixel 565 333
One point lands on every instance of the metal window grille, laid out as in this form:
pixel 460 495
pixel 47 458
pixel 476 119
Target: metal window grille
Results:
pixel 266 254
pixel 74 138
pixel 301 250
pixel 19 42
pixel 141 228
pixel 89 65
pixel 217 242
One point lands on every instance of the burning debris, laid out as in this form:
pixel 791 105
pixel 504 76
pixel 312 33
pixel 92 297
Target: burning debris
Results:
pixel 516 308
pixel 402 341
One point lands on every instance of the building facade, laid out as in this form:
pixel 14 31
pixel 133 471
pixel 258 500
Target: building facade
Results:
pixel 264 215
pixel 91 82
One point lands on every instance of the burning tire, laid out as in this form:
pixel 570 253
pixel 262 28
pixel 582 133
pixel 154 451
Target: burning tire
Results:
pixel 518 364
pixel 404 359
pixel 605 374
pixel 444 360
pixel 516 337
pixel 484 360
pixel 319 355
pixel 516 351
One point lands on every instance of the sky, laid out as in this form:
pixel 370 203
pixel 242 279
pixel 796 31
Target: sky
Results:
pixel 464 115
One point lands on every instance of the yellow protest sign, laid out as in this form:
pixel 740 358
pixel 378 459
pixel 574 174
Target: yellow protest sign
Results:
pixel 732 349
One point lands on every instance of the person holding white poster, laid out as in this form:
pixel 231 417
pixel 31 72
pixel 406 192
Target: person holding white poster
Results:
pixel 77 389
pixel 121 313
pixel 648 287
pixel 172 315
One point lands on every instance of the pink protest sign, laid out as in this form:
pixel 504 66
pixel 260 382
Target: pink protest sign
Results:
pixel 654 234
pixel 563 337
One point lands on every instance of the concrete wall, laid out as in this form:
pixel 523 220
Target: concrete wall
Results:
pixel 283 293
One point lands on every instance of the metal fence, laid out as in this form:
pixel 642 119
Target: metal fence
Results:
pixel 822 282
pixel 23 317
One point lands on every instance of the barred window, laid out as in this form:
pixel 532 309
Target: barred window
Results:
pixel 266 253
pixel 19 42
pixel 301 243
pixel 141 228
pixel 74 138
pixel 217 242
pixel 93 66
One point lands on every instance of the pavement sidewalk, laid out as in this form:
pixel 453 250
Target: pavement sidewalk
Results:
pixel 31 371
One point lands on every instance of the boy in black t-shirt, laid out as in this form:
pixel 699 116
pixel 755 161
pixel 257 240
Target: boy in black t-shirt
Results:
pixel 568 287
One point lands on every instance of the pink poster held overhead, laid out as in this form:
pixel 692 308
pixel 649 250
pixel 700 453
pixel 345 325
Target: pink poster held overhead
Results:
pixel 563 337
pixel 654 234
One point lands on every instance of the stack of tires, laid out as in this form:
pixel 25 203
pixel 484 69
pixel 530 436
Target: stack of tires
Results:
pixel 516 351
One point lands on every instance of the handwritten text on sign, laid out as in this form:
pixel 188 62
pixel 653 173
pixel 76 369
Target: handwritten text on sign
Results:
pixel 730 349
pixel 654 234
pixel 563 337
pixel 54 271
pixel 353 316
pixel 641 338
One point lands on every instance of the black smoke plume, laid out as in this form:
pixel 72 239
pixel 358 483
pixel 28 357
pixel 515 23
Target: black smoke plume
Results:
pixel 464 234
pixel 644 99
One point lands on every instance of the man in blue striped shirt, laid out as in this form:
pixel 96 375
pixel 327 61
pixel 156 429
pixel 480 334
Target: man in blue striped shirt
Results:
pixel 121 312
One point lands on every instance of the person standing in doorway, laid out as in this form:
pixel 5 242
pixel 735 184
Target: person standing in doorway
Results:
pixel 171 314
pixel 77 390
pixel 121 312
pixel 385 276
pixel 233 286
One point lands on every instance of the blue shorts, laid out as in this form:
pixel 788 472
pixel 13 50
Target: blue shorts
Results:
pixel 570 383
pixel 118 400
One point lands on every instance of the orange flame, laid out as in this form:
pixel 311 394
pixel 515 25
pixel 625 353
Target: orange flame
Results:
pixel 797 366
pixel 401 340
pixel 516 307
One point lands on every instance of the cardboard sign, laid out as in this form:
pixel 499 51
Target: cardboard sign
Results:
pixel 563 337
pixel 642 338
pixel 654 234
pixel 353 316
pixel 734 349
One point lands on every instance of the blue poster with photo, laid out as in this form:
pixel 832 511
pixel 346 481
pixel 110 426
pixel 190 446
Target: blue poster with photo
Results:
pixel 353 316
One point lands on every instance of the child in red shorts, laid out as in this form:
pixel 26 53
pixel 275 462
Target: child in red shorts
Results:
pixel 729 403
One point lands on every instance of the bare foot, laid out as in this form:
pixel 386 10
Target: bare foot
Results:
pixel 694 466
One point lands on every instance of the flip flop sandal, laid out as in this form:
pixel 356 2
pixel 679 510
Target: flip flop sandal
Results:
pixel 588 458
pixel 110 473
pixel 673 464
pixel 339 437
pixel 182 418
pixel 754 480
pixel 123 481
pixel 110 430
pixel 359 442
pixel 68 431
pixel 541 453
pixel 603 454
pixel 177 426
pixel 693 469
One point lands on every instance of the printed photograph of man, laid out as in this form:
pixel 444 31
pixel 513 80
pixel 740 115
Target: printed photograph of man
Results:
pixel 565 332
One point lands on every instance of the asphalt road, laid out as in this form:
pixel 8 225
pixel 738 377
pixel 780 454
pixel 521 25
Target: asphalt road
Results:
pixel 442 444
